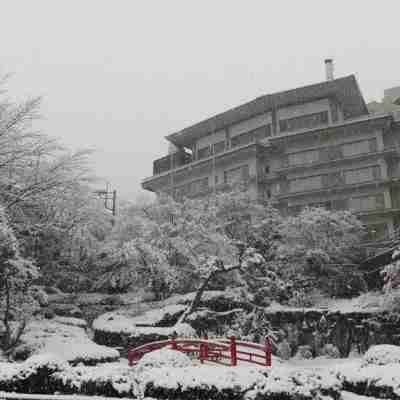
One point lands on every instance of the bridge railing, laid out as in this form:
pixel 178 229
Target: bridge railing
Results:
pixel 222 351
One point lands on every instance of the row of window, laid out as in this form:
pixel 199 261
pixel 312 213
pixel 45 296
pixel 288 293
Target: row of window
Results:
pixel 239 140
pixel 231 177
pixel 336 178
pixel 236 175
pixel 192 188
pixel 359 204
pixel 330 153
pixel 303 122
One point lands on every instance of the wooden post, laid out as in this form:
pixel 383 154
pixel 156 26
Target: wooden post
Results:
pixel 233 351
pixel 174 346
pixel 130 358
pixel 205 351
pixel 201 353
pixel 268 352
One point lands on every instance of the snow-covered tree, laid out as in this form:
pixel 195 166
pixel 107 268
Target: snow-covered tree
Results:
pixel 16 276
pixel 44 189
pixel 391 287
pixel 323 243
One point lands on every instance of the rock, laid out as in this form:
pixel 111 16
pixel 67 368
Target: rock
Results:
pixel 304 353
pixel 284 350
pixel 67 310
pixel 330 350
pixel 40 296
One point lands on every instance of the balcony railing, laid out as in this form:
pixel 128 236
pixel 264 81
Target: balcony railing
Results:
pixel 171 161
pixel 335 158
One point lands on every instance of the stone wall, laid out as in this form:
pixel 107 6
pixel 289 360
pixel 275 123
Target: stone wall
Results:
pixel 319 330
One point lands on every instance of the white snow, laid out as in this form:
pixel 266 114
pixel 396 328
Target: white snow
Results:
pixel 153 317
pixel 162 358
pixel 69 342
pixel 15 371
pixel 30 396
pixel 115 322
pixel 71 321
pixel 118 374
pixel 379 375
pixel 382 354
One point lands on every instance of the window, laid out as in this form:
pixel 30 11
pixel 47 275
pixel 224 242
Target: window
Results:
pixel 204 152
pixel 192 188
pixel 252 136
pixel 241 140
pixel 367 203
pixel 377 231
pixel 303 157
pixel 262 132
pixel 266 169
pixel 334 111
pixel 303 122
pixel 362 175
pixel 219 147
pixel 304 184
pixel 361 147
pixel 236 175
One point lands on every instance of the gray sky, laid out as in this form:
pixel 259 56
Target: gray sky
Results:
pixel 119 75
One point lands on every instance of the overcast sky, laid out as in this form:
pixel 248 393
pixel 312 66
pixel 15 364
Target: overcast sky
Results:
pixel 119 75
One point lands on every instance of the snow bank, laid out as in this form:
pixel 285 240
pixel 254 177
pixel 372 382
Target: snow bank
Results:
pixel 71 321
pixel 373 380
pixel 69 342
pixel 118 323
pixel 109 379
pixel 226 382
pixel 382 354
pixel 32 375
pixel 377 375
pixel 162 358
pixel 159 316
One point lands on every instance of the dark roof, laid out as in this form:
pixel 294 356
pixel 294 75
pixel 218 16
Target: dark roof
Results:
pixel 345 90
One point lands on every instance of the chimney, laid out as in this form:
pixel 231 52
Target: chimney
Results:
pixel 329 69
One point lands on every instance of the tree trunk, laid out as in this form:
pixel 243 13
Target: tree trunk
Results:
pixel 197 298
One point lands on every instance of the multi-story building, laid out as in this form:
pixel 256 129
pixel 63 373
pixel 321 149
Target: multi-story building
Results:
pixel 316 145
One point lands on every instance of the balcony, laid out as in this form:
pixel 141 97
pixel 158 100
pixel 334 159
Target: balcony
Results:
pixel 331 188
pixel 337 157
pixel 171 161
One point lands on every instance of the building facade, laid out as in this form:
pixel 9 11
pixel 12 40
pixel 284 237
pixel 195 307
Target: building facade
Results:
pixel 312 146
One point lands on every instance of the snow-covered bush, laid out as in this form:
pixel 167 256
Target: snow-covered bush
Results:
pixel 382 354
pixel 163 358
pixel 69 342
pixel 391 274
pixel 108 379
pixel 213 382
pixel 116 329
pixel 31 376
pixel 376 381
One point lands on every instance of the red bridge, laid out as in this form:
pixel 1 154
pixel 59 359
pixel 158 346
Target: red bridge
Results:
pixel 222 351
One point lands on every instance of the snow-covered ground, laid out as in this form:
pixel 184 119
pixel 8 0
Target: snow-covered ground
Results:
pixel 66 338
pixel 376 374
